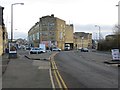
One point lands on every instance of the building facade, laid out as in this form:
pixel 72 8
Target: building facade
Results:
pixel 82 40
pixel 1 41
pixel 51 31
pixel 3 33
pixel 69 35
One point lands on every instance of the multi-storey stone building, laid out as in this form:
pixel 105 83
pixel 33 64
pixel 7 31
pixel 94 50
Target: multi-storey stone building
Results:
pixel 52 31
pixel 82 39
pixel 3 33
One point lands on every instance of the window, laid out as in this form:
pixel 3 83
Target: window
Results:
pixel 33 36
pixel 37 35
pixel 60 35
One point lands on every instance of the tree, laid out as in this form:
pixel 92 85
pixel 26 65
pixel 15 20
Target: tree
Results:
pixel 116 31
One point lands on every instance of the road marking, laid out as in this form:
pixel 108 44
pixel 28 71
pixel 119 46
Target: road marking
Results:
pixel 51 78
pixel 64 85
pixel 58 77
pixel 56 73
pixel 54 68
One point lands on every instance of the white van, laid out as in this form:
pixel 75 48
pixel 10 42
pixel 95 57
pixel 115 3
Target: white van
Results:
pixel 43 47
pixel 67 47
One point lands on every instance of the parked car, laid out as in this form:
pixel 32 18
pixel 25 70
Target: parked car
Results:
pixel 56 49
pixel 27 48
pixel 84 50
pixel 79 48
pixel 37 51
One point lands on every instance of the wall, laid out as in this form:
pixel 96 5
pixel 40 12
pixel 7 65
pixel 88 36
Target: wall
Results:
pixel 1 40
pixel 82 39
pixel 69 34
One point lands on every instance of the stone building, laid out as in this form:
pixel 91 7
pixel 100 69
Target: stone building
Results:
pixel 3 33
pixel 51 31
pixel 82 39
pixel 69 35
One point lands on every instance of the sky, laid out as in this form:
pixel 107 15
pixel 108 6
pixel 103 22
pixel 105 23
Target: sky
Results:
pixel 83 14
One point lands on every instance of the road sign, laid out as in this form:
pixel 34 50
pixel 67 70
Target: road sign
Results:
pixel 115 54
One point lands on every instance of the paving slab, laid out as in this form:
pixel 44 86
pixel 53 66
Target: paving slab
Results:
pixel 25 73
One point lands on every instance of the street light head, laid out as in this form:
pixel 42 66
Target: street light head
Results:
pixel 117 5
pixel 22 3
pixel 96 25
pixel 18 3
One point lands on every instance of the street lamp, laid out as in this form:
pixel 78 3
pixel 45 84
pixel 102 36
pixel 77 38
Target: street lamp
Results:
pixel 99 30
pixel 118 28
pixel 12 18
pixel 82 41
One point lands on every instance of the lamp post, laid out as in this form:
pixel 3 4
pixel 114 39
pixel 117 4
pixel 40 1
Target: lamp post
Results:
pixel 82 41
pixel 99 30
pixel 12 18
pixel 39 33
pixel 118 28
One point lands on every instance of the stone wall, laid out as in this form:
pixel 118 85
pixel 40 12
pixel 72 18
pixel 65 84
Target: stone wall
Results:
pixel 1 41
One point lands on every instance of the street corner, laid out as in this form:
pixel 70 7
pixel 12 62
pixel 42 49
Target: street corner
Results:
pixel 112 61
pixel 115 63
pixel 42 56
pixel 53 55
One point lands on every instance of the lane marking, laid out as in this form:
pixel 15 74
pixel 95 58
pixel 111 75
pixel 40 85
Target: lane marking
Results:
pixel 51 78
pixel 58 77
pixel 62 81
pixel 59 84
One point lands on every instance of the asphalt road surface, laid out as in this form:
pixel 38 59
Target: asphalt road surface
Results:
pixel 87 70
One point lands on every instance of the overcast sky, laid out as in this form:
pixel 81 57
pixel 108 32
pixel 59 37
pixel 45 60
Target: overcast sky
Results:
pixel 83 14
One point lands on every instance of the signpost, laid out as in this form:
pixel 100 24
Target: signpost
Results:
pixel 12 50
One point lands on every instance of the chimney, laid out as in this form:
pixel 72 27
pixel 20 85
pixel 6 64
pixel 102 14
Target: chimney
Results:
pixel 52 15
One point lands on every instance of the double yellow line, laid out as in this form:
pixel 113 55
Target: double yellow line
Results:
pixel 58 77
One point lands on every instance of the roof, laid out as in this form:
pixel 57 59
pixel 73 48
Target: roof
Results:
pixel 1 7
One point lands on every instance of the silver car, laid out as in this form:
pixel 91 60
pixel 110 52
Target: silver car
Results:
pixel 36 51
pixel 56 49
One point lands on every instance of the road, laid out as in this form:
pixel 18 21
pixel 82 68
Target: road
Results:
pixel 86 70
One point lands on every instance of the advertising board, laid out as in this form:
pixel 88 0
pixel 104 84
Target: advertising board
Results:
pixel 12 48
pixel 115 54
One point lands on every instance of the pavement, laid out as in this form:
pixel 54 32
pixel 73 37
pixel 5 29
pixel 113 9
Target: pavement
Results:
pixel 4 62
pixel 27 71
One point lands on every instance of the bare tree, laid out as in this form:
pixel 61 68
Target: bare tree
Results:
pixel 116 29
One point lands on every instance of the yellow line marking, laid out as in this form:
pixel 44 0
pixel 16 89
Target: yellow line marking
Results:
pixel 63 83
pixel 56 76
pixel 51 78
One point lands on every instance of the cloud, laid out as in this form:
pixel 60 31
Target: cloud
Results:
pixel 92 28
pixel 17 35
